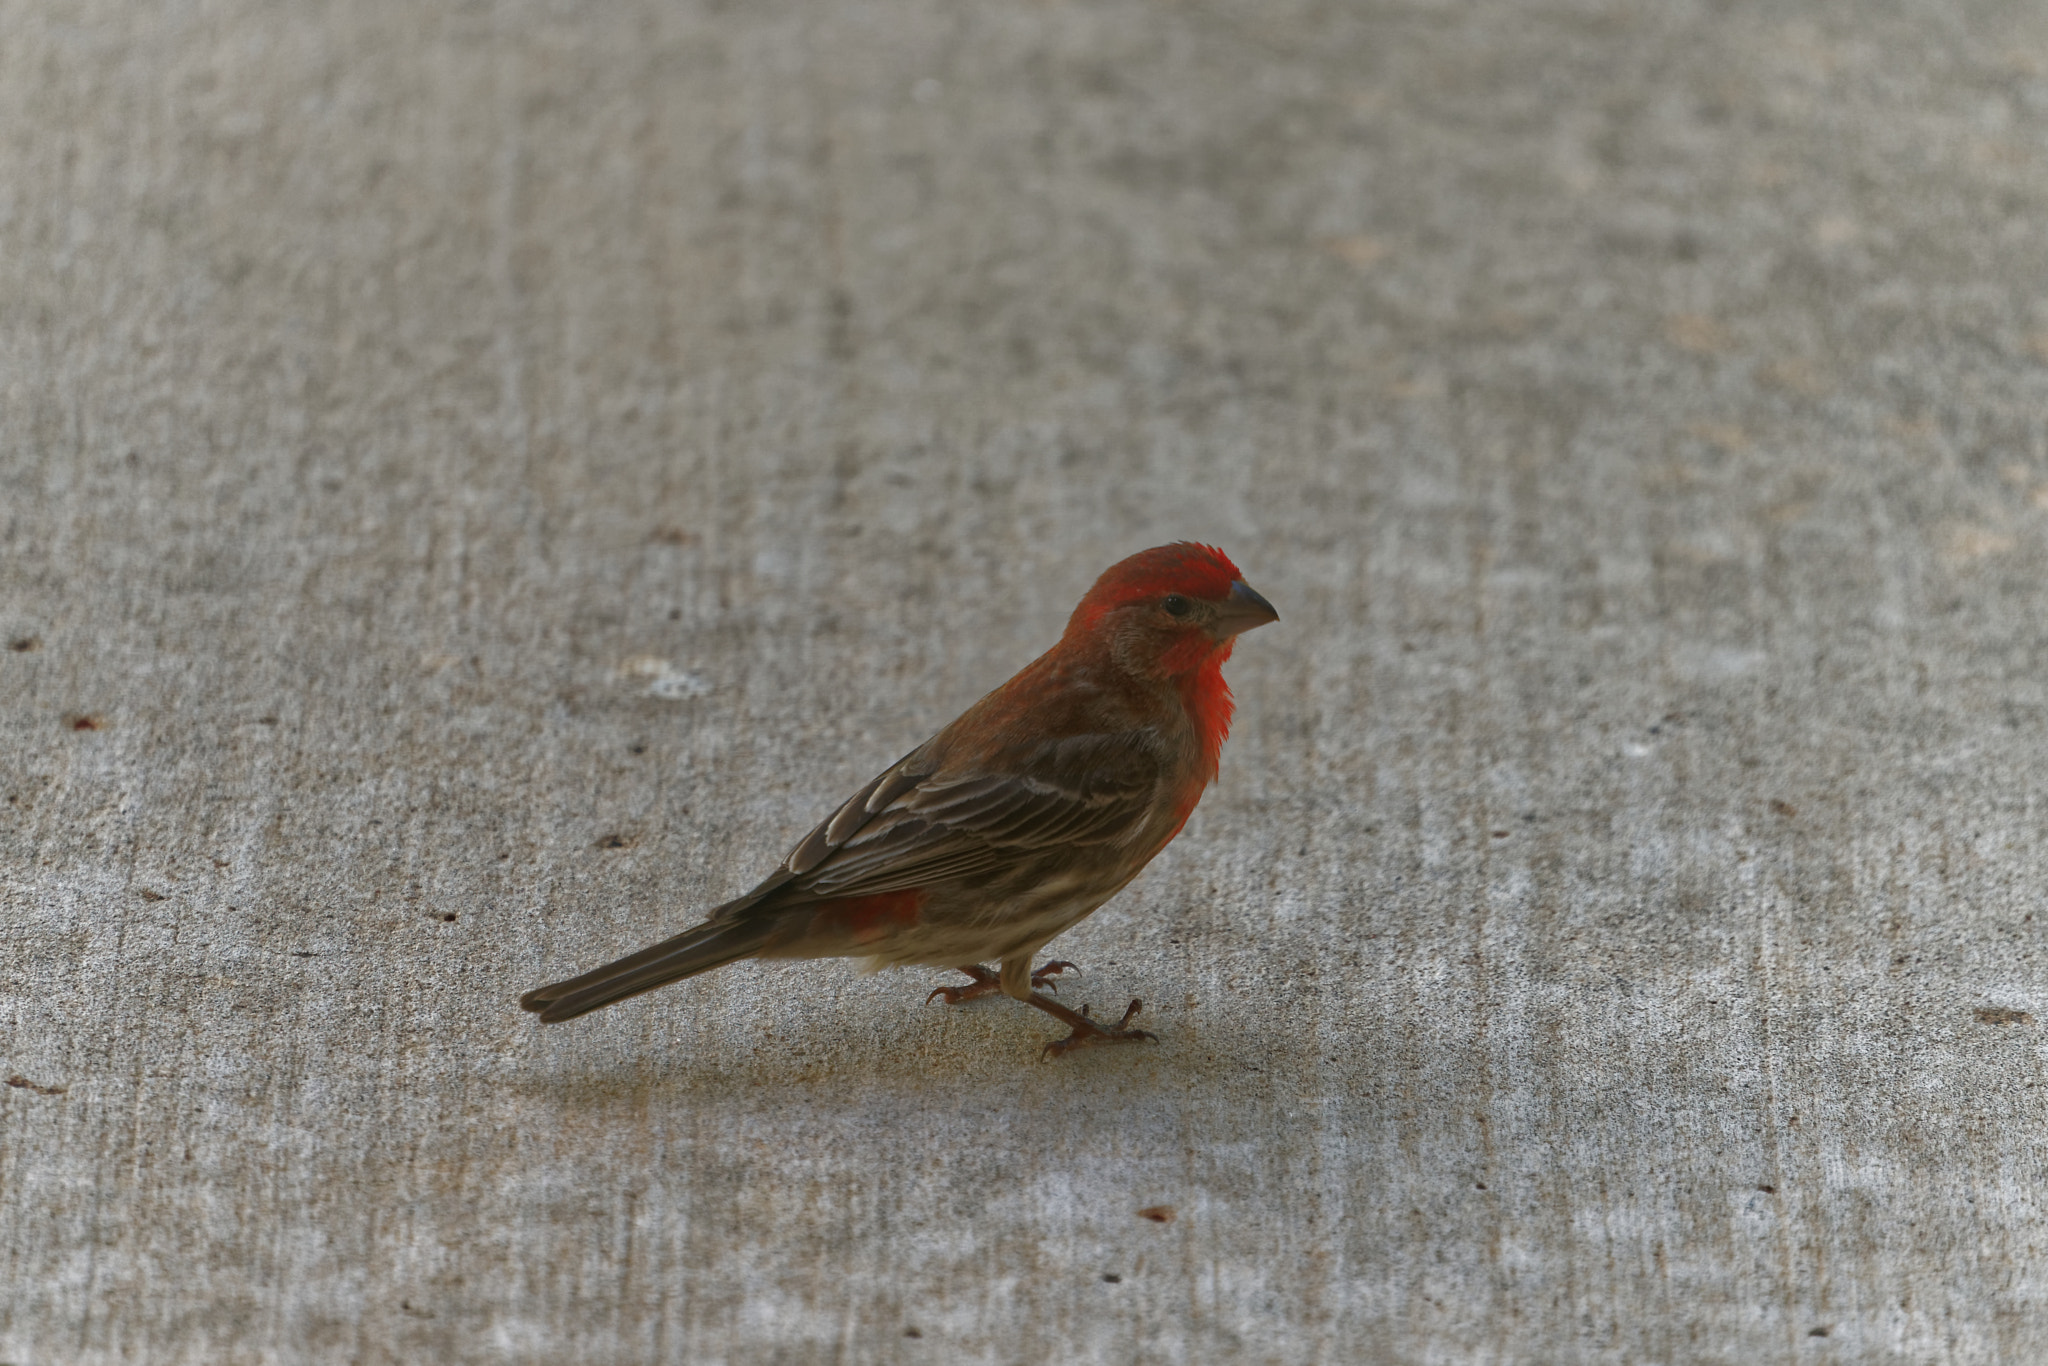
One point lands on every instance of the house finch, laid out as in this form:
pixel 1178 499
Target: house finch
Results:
pixel 1010 825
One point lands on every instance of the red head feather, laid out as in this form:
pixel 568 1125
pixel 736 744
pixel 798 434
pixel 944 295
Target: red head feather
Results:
pixel 1187 567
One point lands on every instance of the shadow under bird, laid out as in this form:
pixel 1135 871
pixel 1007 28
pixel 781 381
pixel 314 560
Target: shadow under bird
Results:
pixel 1041 802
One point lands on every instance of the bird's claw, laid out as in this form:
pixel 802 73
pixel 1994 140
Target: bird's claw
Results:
pixel 1043 976
pixel 1089 1033
pixel 986 983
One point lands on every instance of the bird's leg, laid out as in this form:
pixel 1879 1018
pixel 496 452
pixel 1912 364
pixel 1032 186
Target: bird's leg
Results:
pixel 1017 980
pixel 987 983
pixel 1088 1031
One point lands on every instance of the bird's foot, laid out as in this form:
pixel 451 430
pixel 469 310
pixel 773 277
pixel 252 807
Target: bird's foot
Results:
pixel 987 983
pixel 1088 1031
pixel 1043 976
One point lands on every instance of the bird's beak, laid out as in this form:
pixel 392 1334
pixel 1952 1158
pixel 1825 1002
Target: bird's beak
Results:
pixel 1241 611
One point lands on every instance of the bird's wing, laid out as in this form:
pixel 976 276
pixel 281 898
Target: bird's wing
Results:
pixel 914 825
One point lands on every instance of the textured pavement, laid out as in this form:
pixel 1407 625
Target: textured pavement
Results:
pixel 478 482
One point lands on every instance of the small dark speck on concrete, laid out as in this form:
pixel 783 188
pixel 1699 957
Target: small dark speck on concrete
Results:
pixel 1500 834
pixel 1479 1185
pixel 22 1083
pixel 614 842
pixel 304 953
pixel 1817 1332
pixel 21 645
pixel 1158 1214
pixel 1768 1190
pixel 1784 808
pixel 266 720
pixel 1111 1278
pixel 148 895
pixel 912 1333
pixel 2001 1015
pixel 448 917
pixel 83 721
pixel 636 749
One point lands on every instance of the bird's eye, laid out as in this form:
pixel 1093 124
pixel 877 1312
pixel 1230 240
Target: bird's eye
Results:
pixel 1176 605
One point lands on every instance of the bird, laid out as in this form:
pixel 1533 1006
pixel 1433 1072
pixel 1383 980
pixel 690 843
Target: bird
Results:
pixel 1011 825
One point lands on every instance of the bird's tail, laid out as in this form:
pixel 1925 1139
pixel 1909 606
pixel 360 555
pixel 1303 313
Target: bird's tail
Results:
pixel 710 945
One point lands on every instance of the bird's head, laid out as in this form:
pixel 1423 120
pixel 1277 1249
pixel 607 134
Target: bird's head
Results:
pixel 1170 610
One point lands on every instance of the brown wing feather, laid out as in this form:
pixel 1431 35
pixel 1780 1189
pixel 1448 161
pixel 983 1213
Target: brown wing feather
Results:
pixel 909 828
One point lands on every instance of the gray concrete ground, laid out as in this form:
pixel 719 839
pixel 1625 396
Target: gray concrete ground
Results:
pixel 478 481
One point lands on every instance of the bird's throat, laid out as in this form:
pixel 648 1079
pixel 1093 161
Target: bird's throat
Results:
pixel 1209 706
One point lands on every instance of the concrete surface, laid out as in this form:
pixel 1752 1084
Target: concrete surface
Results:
pixel 478 481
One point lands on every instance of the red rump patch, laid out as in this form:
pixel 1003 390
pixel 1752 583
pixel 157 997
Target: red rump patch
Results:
pixel 864 919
